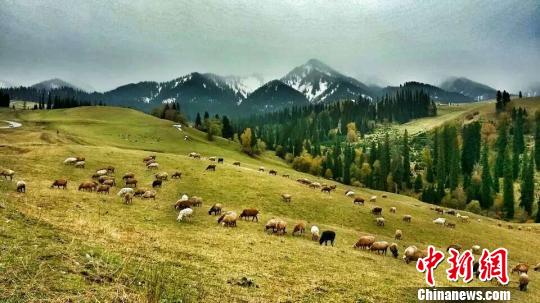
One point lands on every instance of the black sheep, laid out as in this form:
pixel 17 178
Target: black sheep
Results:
pixel 156 183
pixel 211 167
pixel 326 236
pixel 220 160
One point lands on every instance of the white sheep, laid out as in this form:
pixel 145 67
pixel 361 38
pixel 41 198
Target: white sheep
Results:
pixel 21 186
pixel 373 199
pixel 380 221
pixel 101 172
pixel 154 165
pixel 314 233
pixel 70 160
pixel 439 221
pixel 476 249
pixel 124 191
pixel 80 164
pixel 349 193
pixel 185 213
pixel 184 198
pixel 393 209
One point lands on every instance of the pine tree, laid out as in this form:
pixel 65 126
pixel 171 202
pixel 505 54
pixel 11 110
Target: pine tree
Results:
pixel 227 130
pixel 537 140
pixel 418 183
pixel 527 184
pixel 520 95
pixel 385 160
pixel 406 161
pixel 471 147
pixel 486 198
pixel 508 187
pixel 198 122
pixel 501 145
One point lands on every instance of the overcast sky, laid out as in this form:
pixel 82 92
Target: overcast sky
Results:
pixel 104 44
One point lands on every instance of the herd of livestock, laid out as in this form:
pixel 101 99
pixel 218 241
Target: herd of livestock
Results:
pixel 102 181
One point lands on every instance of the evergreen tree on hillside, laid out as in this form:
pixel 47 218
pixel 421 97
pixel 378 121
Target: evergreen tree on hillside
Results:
pixel 4 99
pixel 470 153
pixel 527 185
pixel 499 104
pixel 406 161
pixel 537 140
pixel 227 130
pixel 518 142
pixel 501 145
pixel 198 122
pixel 385 160
pixel 508 187
pixel 486 198
pixel 520 95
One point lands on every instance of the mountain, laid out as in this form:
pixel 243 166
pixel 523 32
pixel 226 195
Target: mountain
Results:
pixel 244 86
pixel 272 96
pixel 54 84
pixel 6 84
pixel 437 94
pixel 320 83
pixel 474 90
pixel 532 90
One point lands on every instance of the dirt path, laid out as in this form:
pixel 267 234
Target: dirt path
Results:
pixel 11 124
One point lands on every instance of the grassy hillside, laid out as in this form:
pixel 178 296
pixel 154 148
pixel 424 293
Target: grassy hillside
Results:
pixel 65 244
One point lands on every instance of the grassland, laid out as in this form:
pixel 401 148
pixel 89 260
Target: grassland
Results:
pixel 60 245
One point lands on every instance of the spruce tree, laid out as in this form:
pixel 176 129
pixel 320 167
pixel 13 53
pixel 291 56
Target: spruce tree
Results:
pixel 198 122
pixel 486 198
pixel 501 145
pixel 406 161
pixel 527 185
pixel 385 160
pixel 508 187
pixel 537 140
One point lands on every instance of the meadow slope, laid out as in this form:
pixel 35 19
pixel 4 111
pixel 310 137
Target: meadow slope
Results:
pixel 60 245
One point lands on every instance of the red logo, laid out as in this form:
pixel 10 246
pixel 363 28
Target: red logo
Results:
pixel 429 263
pixel 460 266
pixel 494 265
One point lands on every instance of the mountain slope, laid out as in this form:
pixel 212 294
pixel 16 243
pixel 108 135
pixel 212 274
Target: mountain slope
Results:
pixel 437 94
pixel 321 83
pixel 273 96
pixel 55 83
pixel 474 90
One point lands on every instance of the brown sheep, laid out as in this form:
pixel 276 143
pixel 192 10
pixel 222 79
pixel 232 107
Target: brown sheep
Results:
pixel 182 204
pixel 326 189
pixel 80 159
pixel 364 242
pixel 103 189
pixel 102 179
pixel 304 181
pixel 380 247
pixel 139 192
pixel 521 268
pixel 109 182
pixel 149 158
pixel 128 176
pixel 454 246
pixel 250 213
pixel 272 172
pixel 88 185
pixel 407 218
pixel 398 235
pixel 196 201
pixel 60 183
pixel 286 197
pixel 211 167
pixel 377 211
pixel 163 176
pixel 281 227
pixel 416 255
pixel 131 183
pixel 228 219
pixel 236 163
pixel 394 249
pixel 315 185
pixel 392 210
pixel 176 175
pixel 149 194
pixel 299 228
pixel 359 201
pixel 216 209
pixel 128 198
pixel 523 281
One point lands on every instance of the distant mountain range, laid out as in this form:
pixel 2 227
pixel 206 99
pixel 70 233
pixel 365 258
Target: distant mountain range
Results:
pixel 311 83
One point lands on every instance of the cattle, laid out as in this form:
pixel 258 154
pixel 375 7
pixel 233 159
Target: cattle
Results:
pixel 60 183
pixel 327 236
pixel 211 167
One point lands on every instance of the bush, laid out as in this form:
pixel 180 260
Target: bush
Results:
pixel 474 207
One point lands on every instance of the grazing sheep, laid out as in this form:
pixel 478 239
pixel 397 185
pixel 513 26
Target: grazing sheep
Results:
pixel 261 168
pixel 184 214
pixel 228 219
pixel 407 218
pixel 250 213
pixel 80 158
pixel 439 210
pixel 109 182
pixel 521 268
pixel 151 157
pixel 523 281
pixel 333 187
pixel 139 192
pixel 359 201
pixel 315 185
pixel 88 185
pixel 163 176
pixel 220 160
pixel 80 164
pixel 393 210
pixel 409 253
pixel 476 249
pixel 326 189
pixel 131 183
pixel 216 209
pixel 272 172
pixel 364 242
pixel 384 196
pixel 451 212
pixel 454 246
pixel 380 221
pixel 156 183
pixel 398 235
pixel 299 228
pixel 394 249
pixel 21 187
pixel 194 155
pixel 184 197
pixel 415 255
pixel 464 219
pixel 149 162
pixel 326 236
pixel 211 167
pixel 128 176
pixel 182 204
pixel 176 175
pixel 195 201
pixel 286 197
pixel 529 228
pixel 377 211
pixel 450 224
pixel 59 183
pixel 281 227
pixel 124 191
pixel 373 199
pixel 439 221
pixel 152 166
pixel 7 173
pixel 236 163
pixel 101 172
pixel 303 181
pixel 103 189
pixel 213 159
pixel 285 176
pixel 128 198
pixel 349 193
pixel 149 194
pixel 102 179
pixel 70 161
pixel 510 227
pixel 537 267
pixel 110 169
pixel 271 224
pixel 380 247
pixel 519 227
pixel 314 233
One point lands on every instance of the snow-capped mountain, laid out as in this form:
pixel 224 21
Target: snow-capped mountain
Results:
pixel 474 90
pixel 54 84
pixel 272 96
pixel 6 84
pixel 436 93
pixel 321 83
pixel 244 85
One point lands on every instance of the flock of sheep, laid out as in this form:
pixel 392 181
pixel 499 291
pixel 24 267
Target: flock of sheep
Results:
pixel 102 181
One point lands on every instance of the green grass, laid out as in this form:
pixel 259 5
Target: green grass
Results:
pixel 64 244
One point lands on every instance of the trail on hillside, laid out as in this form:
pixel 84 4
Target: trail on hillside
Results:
pixel 11 124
